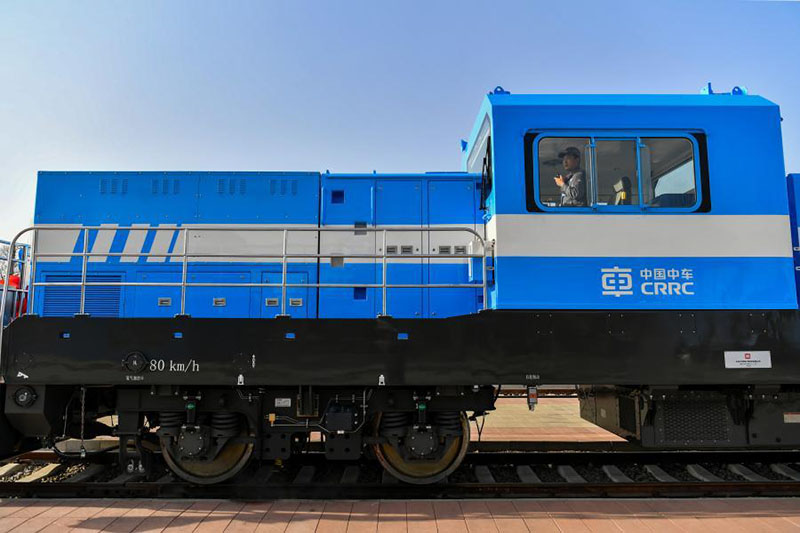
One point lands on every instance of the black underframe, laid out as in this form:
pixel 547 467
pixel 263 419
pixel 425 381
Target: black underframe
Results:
pixel 492 347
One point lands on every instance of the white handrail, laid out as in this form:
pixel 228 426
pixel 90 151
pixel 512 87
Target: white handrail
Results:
pixel 284 257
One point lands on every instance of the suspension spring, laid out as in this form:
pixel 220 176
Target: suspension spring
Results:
pixel 394 421
pixel 447 420
pixel 225 421
pixel 171 419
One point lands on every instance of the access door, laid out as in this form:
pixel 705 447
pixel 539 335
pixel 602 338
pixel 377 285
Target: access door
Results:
pixel 399 203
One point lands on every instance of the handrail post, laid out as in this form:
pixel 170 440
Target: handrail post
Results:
pixel 184 268
pixel 484 275
pixel 383 276
pixel 23 272
pixel 84 261
pixel 32 274
pixel 284 273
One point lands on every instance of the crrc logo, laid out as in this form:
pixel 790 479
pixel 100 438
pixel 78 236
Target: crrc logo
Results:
pixel 616 281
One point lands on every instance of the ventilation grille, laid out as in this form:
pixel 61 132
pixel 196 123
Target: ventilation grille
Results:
pixel 113 186
pixel 231 186
pixel 66 301
pixel 165 186
pixel 696 421
pixel 284 187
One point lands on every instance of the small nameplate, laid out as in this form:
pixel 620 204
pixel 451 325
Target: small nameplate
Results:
pixel 762 359
pixel 791 418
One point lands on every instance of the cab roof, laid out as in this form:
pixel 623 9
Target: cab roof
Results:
pixel 659 100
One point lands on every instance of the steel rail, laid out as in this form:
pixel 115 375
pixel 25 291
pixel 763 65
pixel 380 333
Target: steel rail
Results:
pixel 299 478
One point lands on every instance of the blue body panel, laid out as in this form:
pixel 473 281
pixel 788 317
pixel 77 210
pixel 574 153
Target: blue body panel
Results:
pixel 418 201
pixel 686 282
pixel 151 199
pixel 125 198
pixel 227 199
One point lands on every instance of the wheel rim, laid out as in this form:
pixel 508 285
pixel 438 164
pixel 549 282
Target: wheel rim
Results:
pixel 424 472
pixel 228 462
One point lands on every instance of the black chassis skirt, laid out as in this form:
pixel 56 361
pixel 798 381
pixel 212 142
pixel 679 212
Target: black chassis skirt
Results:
pixel 505 347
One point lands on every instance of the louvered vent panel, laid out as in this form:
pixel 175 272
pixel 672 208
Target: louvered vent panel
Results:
pixel 114 186
pixel 66 301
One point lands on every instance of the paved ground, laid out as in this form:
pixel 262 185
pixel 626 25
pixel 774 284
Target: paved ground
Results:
pixel 554 419
pixel 483 516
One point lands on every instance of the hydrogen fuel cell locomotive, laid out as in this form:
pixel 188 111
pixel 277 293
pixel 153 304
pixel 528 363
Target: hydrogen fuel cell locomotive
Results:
pixel 642 246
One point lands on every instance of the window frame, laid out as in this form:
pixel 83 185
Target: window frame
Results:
pixel 481 158
pixel 534 138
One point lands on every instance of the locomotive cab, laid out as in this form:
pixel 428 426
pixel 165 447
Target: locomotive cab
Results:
pixel 680 199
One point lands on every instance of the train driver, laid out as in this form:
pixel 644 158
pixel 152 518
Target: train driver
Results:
pixel 572 182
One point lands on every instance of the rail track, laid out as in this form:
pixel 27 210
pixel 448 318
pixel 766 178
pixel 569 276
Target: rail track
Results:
pixel 590 473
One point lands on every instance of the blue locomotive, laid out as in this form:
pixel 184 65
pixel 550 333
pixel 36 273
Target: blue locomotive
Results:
pixel 642 246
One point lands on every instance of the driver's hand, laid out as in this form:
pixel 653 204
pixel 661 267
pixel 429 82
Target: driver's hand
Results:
pixel 559 181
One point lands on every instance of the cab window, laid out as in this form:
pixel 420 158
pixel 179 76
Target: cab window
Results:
pixel 554 177
pixel 668 168
pixel 615 169
pixel 617 173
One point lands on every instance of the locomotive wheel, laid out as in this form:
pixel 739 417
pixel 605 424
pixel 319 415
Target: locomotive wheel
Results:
pixel 422 472
pixel 229 461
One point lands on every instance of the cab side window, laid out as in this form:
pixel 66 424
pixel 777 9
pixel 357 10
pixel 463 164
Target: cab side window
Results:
pixel 616 173
pixel 557 157
pixel 668 172
pixel 615 167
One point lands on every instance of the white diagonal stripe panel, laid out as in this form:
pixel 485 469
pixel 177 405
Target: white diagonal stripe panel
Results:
pixel 161 243
pixel 134 243
pixel 102 243
pixel 56 241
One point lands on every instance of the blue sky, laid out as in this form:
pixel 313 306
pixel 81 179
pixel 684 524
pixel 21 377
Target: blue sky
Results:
pixel 345 86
